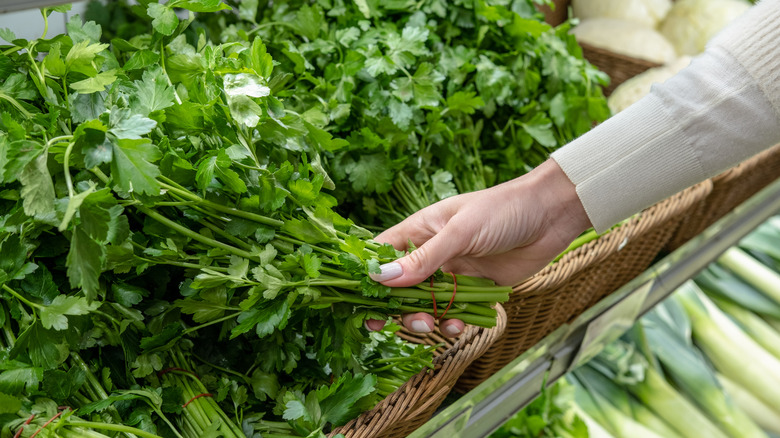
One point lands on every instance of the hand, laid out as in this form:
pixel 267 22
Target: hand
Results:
pixel 505 233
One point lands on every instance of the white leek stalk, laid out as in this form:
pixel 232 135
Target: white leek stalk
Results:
pixel 752 271
pixel 730 349
pixel 763 415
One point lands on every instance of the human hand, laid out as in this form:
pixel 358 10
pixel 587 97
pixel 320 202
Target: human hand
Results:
pixel 505 233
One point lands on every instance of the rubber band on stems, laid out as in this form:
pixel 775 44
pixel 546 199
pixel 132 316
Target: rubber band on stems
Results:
pixel 21 428
pixel 47 423
pixel 205 394
pixel 452 299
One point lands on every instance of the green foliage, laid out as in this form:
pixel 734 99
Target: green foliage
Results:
pixel 168 229
pixel 483 91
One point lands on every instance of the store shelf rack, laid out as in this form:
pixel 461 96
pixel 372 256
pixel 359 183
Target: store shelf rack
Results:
pixel 21 5
pixel 486 407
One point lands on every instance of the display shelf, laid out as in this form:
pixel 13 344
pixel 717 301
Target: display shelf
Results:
pixel 488 406
pixel 21 5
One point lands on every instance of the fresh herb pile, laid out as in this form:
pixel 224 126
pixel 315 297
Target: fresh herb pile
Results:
pixel 433 98
pixel 169 267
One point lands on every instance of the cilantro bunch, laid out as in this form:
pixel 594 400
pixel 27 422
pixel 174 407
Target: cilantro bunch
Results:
pixel 432 98
pixel 172 262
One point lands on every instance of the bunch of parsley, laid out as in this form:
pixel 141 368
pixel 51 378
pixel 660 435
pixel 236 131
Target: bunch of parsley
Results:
pixel 433 98
pixel 171 265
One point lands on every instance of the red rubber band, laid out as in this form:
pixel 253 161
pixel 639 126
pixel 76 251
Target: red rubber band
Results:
pixel 21 429
pixel 181 370
pixel 433 297
pixel 205 394
pixel 46 424
pixel 454 291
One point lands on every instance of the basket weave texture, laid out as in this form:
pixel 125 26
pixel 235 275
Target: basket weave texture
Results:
pixel 729 189
pixel 618 67
pixel 581 278
pixel 416 401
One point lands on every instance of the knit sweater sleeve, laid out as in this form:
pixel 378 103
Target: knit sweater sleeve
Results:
pixel 717 112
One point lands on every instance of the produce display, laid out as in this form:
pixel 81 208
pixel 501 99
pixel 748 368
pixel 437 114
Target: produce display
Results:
pixel 185 205
pixel 705 362
pixel 663 32
pixel 433 98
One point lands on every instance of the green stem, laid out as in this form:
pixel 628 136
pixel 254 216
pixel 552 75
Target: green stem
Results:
pixel 218 207
pixel 216 321
pixel 60 139
pixel 165 72
pixel 66 167
pixel 460 296
pixel 193 235
pixel 21 298
pixel 45 22
pixel 182 264
pixel 300 242
pixel 16 105
pixel 12 50
pixel 112 427
pixel 220 232
pixel 224 370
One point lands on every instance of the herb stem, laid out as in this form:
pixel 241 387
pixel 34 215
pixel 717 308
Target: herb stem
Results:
pixel 165 72
pixel 60 139
pixel 220 232
pixel 193 235
pixel 171 186
pixel 16 105
pixel 66 168
pixel 21 298
pixel 12 50
pixel 224 370
pixel 216 321
pixel 182 264
pixel 112 427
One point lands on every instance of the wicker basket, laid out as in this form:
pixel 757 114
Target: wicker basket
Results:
pixel 729 189
pixel 563 290
pixel 619 68
pixel 416 401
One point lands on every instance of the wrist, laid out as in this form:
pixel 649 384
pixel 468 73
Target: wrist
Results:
pixel 558 196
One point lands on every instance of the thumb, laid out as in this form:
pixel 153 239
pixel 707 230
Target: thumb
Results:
pixel 422 262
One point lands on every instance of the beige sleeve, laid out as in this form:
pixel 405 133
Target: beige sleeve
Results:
pixel 719 111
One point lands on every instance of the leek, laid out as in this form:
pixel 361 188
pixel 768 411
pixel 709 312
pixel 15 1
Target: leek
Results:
pixel 763 415
pixel 758 329
pixel 618 423
pixel 627 366
pixel 595 382
pixel 692 375
pixel 752 271
pixel 716 281
pixel 733 352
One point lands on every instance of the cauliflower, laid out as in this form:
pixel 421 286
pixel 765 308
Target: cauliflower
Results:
pixel 691 23
pixel 646 12
pixel 627 38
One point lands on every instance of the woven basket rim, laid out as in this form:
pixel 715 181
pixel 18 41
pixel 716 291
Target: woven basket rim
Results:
pixel 621 57
pixel 597 250
pixel 420 392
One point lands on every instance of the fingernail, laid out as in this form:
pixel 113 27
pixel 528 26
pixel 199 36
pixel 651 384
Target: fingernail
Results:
pixel 389 271
pixel 451 330
pixel 421 326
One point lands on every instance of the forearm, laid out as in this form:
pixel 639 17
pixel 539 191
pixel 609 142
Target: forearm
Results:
pixel 711 116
